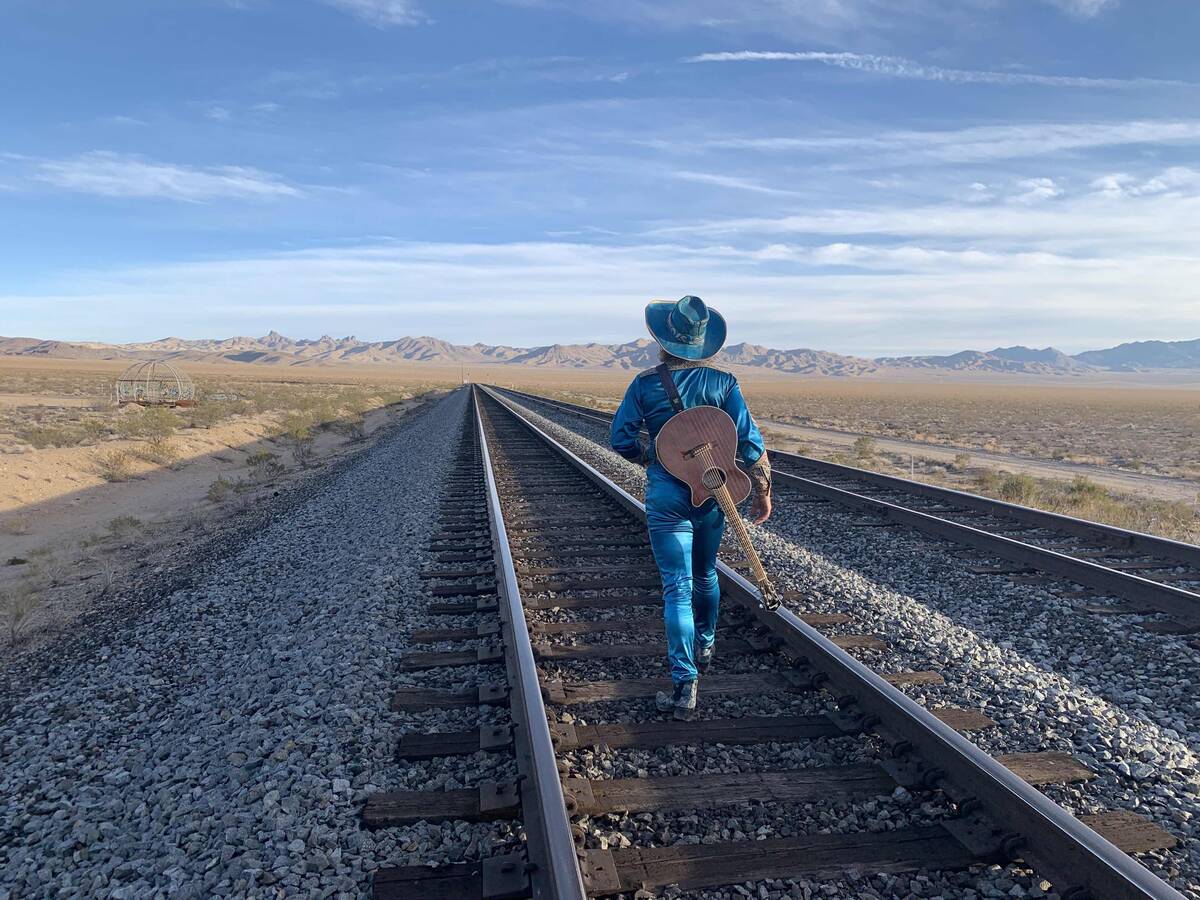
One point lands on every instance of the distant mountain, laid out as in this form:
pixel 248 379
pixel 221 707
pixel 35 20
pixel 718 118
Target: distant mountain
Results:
pixel 1021 360
pixel 279 350
pixel 1139 356
pixel 801 361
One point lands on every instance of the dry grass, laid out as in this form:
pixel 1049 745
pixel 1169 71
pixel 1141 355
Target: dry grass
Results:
pixel 1079 497
pixel 1085 499
pixel 1146 429
pixel 17 604
pixel 115 465
pixel 70 404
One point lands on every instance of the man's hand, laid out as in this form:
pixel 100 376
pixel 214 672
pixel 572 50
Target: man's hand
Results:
pixel 760 508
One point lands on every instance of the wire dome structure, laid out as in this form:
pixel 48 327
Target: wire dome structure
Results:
pixel 154 382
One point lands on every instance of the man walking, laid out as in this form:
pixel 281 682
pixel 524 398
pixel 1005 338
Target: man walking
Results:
pixel 685 538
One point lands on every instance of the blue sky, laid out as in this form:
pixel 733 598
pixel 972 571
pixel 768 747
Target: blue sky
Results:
pixel 866 176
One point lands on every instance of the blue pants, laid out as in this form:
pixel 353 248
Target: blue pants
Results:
pixel 685 540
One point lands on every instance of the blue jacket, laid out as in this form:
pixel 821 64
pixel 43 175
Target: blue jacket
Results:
pixel 646 404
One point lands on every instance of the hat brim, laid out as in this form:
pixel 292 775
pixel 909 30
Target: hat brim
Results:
pixel 657 312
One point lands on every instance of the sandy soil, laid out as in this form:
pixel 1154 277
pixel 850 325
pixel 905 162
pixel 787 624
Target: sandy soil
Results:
pixel 15 400
pixel 57 513
pixel 1161 486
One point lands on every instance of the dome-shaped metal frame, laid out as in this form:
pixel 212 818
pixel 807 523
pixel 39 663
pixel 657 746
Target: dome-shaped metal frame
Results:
pixel 154 382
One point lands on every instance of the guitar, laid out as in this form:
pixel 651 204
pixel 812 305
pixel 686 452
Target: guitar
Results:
pixel 699 447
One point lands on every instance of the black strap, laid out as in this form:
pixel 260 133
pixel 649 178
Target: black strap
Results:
pixel 664 375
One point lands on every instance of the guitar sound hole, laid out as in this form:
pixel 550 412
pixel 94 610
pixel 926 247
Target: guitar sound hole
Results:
pixel 713 478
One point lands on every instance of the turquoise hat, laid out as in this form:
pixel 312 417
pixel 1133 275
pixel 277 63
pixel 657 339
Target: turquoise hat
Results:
pixel 686 328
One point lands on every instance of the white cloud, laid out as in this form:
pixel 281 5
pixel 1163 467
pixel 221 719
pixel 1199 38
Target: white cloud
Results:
pixel 899 67
pixel 117 175
pixel 1084 9
pixel 728 181
pixel 1113 224
pixel 849 296
pixel 382 13
pixel 978 192
pixel 975 144
pixel 796 18
pixel 217 113
pixel 1035 190
pixel 1175 180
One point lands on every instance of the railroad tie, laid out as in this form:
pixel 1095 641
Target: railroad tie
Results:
pixel 660 733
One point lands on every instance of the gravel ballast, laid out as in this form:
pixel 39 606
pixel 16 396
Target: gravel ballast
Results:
pixel 222 742
pixel 1054 677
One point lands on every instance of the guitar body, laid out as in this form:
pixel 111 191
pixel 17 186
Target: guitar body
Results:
pixel 695 442
pixel 699 447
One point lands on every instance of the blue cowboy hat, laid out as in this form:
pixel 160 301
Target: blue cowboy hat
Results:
pixel 686 328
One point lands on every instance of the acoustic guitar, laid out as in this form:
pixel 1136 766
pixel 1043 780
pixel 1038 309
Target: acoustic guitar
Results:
pixel 699 447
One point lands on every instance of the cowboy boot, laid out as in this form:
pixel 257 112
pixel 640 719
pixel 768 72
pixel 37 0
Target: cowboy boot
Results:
pixel 682 701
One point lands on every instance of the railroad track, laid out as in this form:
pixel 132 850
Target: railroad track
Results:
pixel 1086 561
pixel 549 562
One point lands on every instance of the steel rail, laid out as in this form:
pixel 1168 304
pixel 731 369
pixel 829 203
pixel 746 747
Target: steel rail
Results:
pixel 1150 544
pixel 1076 859
pixel 1167 598
pixel 555 873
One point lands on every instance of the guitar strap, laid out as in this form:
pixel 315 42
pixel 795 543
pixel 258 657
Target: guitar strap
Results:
pixel 668 383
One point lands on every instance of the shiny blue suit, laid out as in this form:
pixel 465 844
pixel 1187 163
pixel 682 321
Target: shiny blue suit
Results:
pixel 685 538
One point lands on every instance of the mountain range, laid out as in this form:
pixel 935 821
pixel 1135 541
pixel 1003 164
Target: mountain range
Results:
pixel 277 349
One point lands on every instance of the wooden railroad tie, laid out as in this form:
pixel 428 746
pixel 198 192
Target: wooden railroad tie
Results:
pixel 665 733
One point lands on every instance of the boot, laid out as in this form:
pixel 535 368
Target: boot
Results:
pixel 704 656
pixel 682 701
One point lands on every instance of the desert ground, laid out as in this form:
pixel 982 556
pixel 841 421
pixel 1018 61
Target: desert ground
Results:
pixel 90 492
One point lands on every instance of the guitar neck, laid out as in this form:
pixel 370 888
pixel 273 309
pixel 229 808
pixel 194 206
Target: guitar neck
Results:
pixel 734 518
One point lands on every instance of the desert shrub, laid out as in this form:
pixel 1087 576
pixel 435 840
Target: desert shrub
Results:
pixel 865 447
pixel 961 462
pixel 17 526
pixel 124 526
pixel 264 465
pixel 151 423
pixel 1083 490
pixel 1018 488
pixel 296 432
pixel 392 397
pixel 219 490
pixel 109 570
pixel 51 565
pixel 356 403
pixel 94 429
pixel 988 482
pixel 116 465
pixel 207 413
pixel 158 450
pixel 353 427
pixel 42 436
pixel 195 520
pixel 17 605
